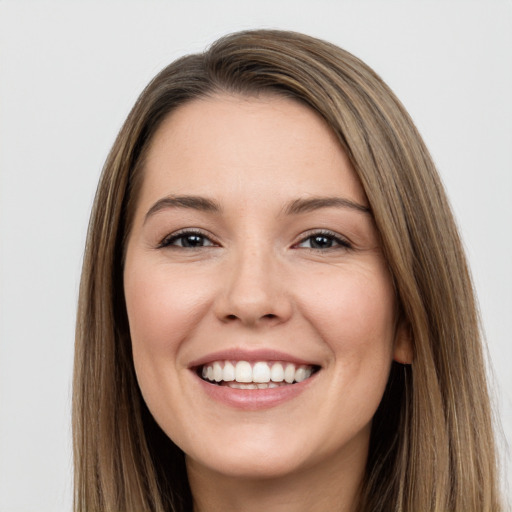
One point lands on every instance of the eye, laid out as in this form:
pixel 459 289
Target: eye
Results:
pixel 324 240
pixel 188 239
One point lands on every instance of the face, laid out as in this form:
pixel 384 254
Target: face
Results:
pixel 262 314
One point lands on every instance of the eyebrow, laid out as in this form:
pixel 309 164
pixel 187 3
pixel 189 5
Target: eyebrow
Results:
pixel 315 203
pixel 295 207
pixel 193 202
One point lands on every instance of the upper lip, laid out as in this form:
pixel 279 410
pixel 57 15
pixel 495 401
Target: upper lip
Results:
pixel 237 354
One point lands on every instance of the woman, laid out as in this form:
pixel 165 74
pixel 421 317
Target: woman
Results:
pixel 275 308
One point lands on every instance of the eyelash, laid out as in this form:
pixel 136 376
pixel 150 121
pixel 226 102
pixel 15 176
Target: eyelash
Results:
pixel 341 243
pixel 170 239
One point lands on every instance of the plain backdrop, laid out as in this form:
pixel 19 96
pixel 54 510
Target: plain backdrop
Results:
pixel 70 72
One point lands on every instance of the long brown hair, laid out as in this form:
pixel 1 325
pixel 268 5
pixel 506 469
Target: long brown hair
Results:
pixel 432 446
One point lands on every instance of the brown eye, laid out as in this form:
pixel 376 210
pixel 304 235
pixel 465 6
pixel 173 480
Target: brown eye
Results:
pixel 187 240
pixel 323 241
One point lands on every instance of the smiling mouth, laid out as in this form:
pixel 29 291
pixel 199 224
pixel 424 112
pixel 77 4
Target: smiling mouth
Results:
pixel 257 375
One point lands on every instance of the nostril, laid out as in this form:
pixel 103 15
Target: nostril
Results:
pixel 269 316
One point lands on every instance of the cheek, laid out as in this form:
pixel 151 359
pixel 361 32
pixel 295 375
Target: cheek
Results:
pixel 356 316
pixel 163 308
pixel 354 309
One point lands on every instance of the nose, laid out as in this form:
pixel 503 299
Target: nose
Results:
pixel 254 291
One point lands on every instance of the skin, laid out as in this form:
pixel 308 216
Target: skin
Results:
pixel 256 282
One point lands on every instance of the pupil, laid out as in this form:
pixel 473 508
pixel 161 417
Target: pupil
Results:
pixel 321 242
pixel 193 241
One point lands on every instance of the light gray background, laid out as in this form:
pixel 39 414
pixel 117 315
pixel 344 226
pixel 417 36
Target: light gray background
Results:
pixel 69 73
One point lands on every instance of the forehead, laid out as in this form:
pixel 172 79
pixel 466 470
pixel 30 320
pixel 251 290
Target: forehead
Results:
pixel 235 146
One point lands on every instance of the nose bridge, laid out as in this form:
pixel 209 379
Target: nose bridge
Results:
pixel 253 291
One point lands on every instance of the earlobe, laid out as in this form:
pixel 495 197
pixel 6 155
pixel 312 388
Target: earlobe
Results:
pixel 403 351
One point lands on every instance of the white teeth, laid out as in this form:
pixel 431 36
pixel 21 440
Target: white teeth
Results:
pixel 259 375
pixel 217 371
pixel 262 385
pixel 277 373
pixel 261 372
pixel 228 374
pixel 301 374
pixel 243 372
pixel 239 385
pixel 289 373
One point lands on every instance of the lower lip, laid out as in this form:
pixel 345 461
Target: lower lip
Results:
pixel 255 399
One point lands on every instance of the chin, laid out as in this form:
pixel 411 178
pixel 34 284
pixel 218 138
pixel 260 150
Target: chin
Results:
pixel 250 465
pixel 259 455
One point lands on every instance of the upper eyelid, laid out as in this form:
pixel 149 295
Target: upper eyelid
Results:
pixel 343 243
pixel 325 232
pixel 186 231
pixel 301 238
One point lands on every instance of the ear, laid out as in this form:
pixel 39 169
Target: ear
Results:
pixel 402 350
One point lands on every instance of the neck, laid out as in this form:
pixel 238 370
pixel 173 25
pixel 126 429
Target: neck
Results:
pixel 316 489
